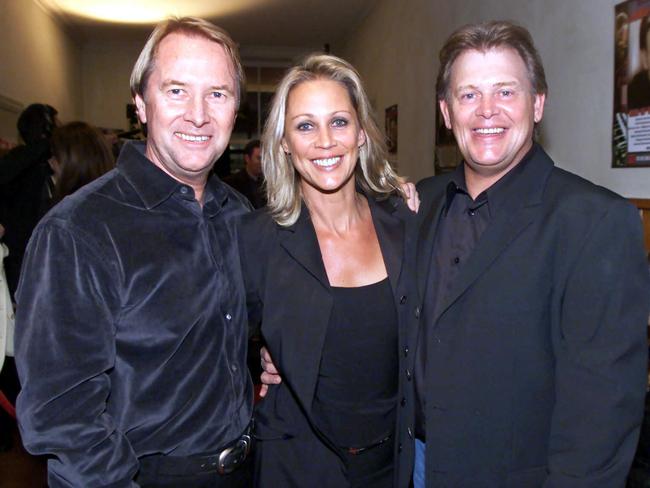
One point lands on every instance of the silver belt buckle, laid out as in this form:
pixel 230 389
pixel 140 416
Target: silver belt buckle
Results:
pixel 231 457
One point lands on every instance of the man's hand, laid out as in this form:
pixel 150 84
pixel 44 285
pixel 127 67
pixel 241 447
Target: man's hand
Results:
pixel 2 231
pixel 412 197
pixel 270 375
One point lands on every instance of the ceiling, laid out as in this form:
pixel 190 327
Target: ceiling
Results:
pixel 252 23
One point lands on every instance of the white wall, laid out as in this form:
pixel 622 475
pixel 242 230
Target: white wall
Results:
pixel 396 48
pixel 39 61
pixel 107 68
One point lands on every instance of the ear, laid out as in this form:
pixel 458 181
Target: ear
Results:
pixel 538 107
pixel 361 138
pixel 141 106
pixel 285 146
pixel 444 109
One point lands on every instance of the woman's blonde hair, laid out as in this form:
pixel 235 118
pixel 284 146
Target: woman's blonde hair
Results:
pixel 373 174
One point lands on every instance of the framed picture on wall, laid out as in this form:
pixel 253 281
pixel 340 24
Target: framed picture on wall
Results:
pixel 631 122
pixel 447 155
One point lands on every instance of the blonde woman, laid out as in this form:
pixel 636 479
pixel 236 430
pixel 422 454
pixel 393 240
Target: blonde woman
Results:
pixel 326 274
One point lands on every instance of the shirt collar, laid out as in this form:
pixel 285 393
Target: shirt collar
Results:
pixel 154 186
pixel 498 193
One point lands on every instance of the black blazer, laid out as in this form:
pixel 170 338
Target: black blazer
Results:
pixel 536 367
pixel 289 292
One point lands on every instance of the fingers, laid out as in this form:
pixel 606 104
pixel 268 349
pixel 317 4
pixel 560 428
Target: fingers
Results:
pixel 412 197
pixel 270 379
pixel 267 362
pixel 263 390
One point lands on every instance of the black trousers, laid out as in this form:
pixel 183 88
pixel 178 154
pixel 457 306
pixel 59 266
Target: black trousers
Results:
pixel 149 477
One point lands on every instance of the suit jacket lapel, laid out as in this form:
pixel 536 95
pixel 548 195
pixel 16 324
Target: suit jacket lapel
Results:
pixel 518 211
pixel 427 231
pixel 390 233
pixel 301 243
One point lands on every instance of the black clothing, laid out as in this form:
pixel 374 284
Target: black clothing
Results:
pixel 357 382
pixel 536 362
pixel 638 91
pixel 251 188
pixel 289 291
pixel 460 227
pixel 131 326
pixel 24 176
pixel 154 475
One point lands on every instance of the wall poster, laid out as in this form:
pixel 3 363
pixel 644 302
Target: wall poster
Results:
pixel 631 124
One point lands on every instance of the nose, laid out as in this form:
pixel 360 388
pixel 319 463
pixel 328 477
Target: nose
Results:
pixel 324 139
pixel 487 107
pixel 196 112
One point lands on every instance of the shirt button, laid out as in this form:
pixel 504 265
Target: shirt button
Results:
pixel 471 212
pixel 417 312
pixel 399 448
pixel 402 300
pixel 233 368
pixel 456 260
pixel 228 316
pixel 406 351
pixel 408 375
pixel 403 402
pixel 409 432
pixel 184 190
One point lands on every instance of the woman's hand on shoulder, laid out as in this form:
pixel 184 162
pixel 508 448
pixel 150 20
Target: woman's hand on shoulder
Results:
pixel 412 198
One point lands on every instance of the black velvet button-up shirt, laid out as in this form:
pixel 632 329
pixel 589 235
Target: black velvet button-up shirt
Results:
pixel 131 328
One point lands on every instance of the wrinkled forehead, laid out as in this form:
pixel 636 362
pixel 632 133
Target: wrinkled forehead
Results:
pixel 495 65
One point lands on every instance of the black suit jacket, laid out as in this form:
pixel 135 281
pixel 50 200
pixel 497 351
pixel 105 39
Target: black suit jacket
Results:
pixel 536 366
pixel 289 291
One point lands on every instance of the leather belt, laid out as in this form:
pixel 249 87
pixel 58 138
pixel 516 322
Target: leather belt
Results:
pixel 223 462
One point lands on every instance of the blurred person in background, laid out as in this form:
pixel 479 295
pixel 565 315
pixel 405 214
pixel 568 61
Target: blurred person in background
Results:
pixel 80 154
pixel 25 184
pixel 249 181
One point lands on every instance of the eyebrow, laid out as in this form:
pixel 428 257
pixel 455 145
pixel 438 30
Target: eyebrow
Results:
pixel 500 84
pixel 312 115
pixel 167 83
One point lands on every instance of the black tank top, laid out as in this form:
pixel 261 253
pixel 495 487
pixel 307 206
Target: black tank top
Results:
pixel 356 393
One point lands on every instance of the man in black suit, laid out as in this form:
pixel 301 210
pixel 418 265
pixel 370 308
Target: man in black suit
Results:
pixel 531 354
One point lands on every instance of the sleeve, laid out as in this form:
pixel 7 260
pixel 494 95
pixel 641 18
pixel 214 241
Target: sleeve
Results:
pixel 65 345
pixel 249 250
pixel 601 356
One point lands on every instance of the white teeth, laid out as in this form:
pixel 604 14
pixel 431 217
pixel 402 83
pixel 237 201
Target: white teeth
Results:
pixel 491 130
pixel 187 137
pixel 326 162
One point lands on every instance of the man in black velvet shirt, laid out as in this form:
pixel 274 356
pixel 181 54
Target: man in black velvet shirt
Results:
pixel 131 324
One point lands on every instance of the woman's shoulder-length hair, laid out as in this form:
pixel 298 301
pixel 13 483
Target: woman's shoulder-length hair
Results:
pixel 373 173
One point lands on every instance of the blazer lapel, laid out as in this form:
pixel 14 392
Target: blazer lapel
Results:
pixel 519 210
pixel 300 241
pixel 390 233
pixel 427 230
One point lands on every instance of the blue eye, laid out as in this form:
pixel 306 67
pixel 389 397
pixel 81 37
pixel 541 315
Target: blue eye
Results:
pixel 304 126
pixel 175 91
pixel 217 95
pixel 506 93
pixel 468 96
pixel 340 122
